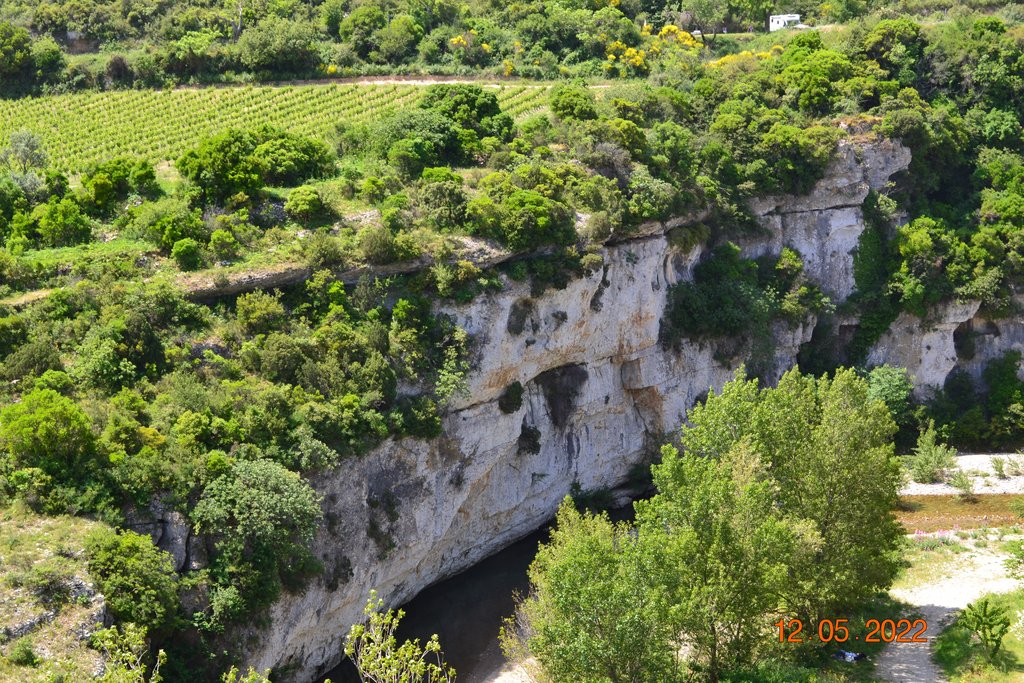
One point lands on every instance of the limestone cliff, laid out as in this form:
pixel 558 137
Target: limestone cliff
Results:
pixel 599 392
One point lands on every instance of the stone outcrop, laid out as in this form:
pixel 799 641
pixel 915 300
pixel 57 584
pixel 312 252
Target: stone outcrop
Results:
pixel 600 392
pixel 925 347
pixel 954 336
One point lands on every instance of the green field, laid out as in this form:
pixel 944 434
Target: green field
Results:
pixel 82 128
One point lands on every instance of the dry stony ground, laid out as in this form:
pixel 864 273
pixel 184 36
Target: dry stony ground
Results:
pixel 979 465
pixel 937 598
pixel 938 595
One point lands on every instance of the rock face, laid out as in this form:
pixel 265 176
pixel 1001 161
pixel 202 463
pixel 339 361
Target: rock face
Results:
pixel 955 336
pixel 599 394
pixel 926 348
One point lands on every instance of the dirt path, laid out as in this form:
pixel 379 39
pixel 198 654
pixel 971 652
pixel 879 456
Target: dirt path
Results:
pixel 974 574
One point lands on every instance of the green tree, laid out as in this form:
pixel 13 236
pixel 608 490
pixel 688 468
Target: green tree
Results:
pixel 573 103
pixel 126 655
pixel 725 548
pixel 262 517
pixel 374 649
pixel 137 578
pixel 51 432
pixel 24 152
pixel 303 203
pixel 187 253
pixel 596 612
pixel 15 53
pixel 829 447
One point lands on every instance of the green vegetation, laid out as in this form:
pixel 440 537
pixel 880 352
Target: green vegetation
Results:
pixel 981 645
pixel 760 487
pixel 375 651
pixel 80 129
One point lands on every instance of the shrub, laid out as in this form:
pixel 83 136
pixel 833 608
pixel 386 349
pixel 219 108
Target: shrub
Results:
pixel 137 578
pixel 61 223
pixel 22 653
pixel 964 486
pixel 377 245
pixel 264 517
pixel 931 460
pixel 51 432
pixel 511 399
pixel 989 622
pixel 259 312
pixel 187 253
pixel 573 103
pixel 223 245
pixel 999 467
pixel 303 203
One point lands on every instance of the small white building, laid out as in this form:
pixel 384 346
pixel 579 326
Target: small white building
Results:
pixel 777 22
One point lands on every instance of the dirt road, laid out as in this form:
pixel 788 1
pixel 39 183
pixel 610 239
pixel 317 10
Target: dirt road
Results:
pixel 974 574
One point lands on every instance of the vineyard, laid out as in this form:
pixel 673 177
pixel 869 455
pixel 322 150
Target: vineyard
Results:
pixel 82 128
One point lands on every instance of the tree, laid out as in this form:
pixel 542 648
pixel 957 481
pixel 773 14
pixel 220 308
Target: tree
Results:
pixel 187 253
pixel 724 548
pixel 707 16
pixel 279 45
pixel 24 152
pixel 830 449
pixel 756 10
pixel 262 518
pixel 573 103
pixel 61 223
pixel 398 39
pixel 595 611
pixel 137 578
pixel 303 203
pixel 125 655
pixel 50 432
pixel 891 386
pixel 15 52
pixel 223 165
pixel 379 658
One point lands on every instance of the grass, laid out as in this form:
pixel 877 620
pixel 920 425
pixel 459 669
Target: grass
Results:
pixel 936 513
pixel 41 562
pixel 963 660
pixel 82 128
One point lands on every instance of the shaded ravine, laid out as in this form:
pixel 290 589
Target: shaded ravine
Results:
pixel 466 612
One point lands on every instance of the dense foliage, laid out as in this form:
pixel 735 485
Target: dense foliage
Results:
pixel 751 521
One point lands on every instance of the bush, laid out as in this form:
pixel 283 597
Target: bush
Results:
pixel 137 578
pixel 61 223
pixel 573 103
pixel 377 245
pixel 50 432
pixel 931 460
pixel 264 517
pixel 303 203
pixel 964 486
pixel 511 399
pixel 223 245
pixel 999 467
pixel 259 312
pixel 22 653
pixel 188 254
pixel 989 622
